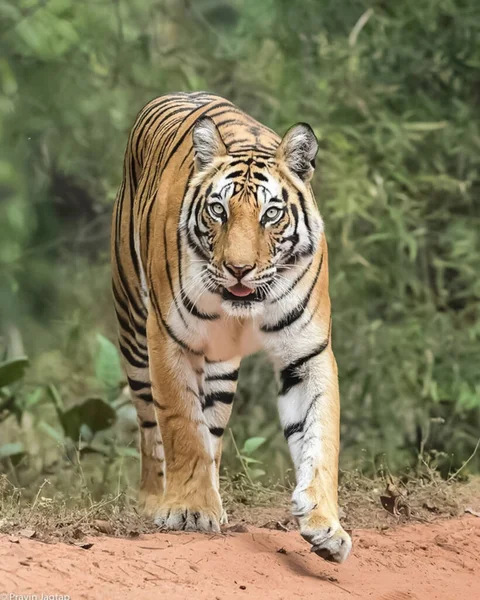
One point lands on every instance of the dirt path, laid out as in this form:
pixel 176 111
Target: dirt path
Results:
pixel 438 561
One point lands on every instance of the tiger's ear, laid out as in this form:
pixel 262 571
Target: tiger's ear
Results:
pixel 298 149
pixel 207 143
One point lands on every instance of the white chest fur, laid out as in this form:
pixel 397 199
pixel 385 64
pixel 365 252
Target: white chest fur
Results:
pixel 227 338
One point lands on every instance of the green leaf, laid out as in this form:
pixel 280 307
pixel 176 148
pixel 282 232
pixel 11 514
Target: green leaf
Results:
pixel 14 451
pixel 51 432
pixel 255 473
pixel 128 452
pixel 252 444
pixel 107 363
pixel 425 126
pixel 34 397
pixel 94 413
pixel 56 399
pixel 250 461
pixel 12 370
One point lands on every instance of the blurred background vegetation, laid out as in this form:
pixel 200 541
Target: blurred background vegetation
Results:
pixel 392 90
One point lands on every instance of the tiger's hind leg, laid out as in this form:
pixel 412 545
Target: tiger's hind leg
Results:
pixel 151 445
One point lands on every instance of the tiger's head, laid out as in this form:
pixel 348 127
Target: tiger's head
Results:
pixel 252 220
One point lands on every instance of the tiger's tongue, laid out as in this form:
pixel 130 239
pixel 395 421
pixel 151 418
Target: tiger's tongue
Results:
pixel 240 290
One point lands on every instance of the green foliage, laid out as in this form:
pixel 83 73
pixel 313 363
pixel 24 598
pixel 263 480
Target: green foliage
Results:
pixel 391 90
pixel 12 370
pixel 107 364
pixel 79 423
pixel 246 458
pixel 82 420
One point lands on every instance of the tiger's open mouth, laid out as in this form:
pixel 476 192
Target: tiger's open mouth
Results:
pixel 242 293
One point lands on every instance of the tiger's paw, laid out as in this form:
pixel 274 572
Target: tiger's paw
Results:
pixel 149 503
pixel 328 538
pixel 182 518
pixel 331 542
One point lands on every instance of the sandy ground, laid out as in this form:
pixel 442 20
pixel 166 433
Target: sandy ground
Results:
pixel 435 561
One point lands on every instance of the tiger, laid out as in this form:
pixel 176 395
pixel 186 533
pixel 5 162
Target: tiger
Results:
pixel 218 251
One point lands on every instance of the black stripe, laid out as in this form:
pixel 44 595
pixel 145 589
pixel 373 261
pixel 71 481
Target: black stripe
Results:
pixel 297 312
pixel 148 424
pixel 136 386
pixel 293 238
pixel 146 397
pixel 294 428
pixel 241 161
pixel 234 174
pixel 126 329
pixel 178 144
pixel 217 431
pixel 300 426
pixel 223 397
pixel 290 376
pixel 303 205
pixel 293 284
pixel 147 118
pixel 205 108
pixel 138 308
pixel 120 301
pixel 169 330
pixel 132 358
pixel 188 304
pixel 193 310
pixel 233 376
pixel 169 276
pixel 260 176
pixel 138 348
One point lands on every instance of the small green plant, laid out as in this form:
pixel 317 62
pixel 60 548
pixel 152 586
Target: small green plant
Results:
pixel 245 456
pixel 12 372
pixel 79 423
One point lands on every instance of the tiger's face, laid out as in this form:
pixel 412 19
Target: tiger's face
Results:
pixel 252 221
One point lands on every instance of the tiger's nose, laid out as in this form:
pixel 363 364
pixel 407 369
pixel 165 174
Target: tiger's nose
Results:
pixel 239 271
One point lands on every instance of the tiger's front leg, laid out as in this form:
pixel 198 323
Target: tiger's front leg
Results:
pixel 309 413
pixel 190 499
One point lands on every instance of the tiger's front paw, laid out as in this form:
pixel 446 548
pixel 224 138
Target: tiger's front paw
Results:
pixel 183 518
pixel 328 538
pixel 331 542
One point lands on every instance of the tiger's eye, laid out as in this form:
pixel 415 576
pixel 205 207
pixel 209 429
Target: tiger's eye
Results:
pixel 272 213
pixel 216 208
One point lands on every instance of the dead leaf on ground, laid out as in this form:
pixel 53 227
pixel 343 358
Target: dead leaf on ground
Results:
pixel 278 525
pixel 28 533
pixel 431 507
pixel 103 526
pixel 394 501
pixel 470 511
pixel 84 545
pixel 445 544
pixel 240 528
pixel 133 533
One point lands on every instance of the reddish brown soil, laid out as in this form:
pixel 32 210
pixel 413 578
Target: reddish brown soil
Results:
pixel 436 561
